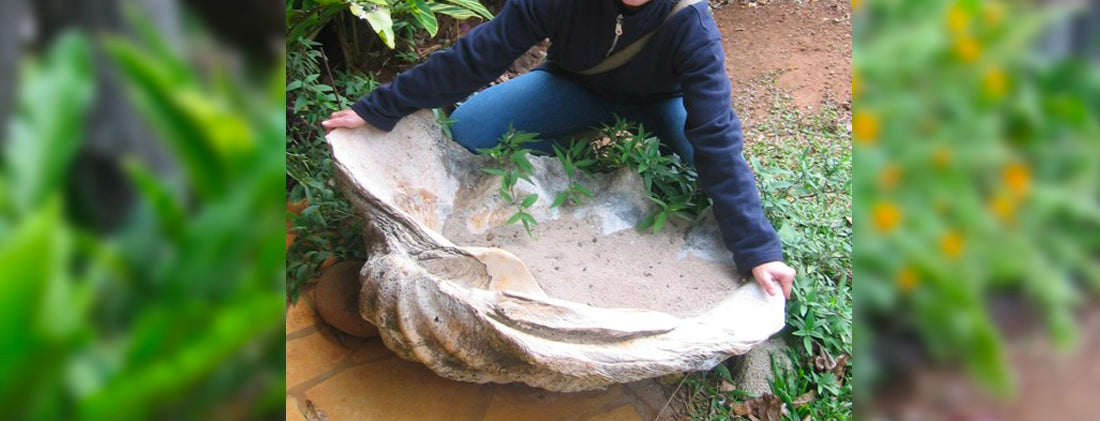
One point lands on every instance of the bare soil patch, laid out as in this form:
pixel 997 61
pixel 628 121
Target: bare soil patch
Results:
pixel 798 48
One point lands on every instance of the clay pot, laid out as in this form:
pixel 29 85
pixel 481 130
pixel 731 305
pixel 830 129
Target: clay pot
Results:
pixel 337 299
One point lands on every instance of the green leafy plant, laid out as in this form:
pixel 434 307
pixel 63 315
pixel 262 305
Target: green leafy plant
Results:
pixel 445 121
pixel 669 183
pixel 803 166
pixel 578 156
pixel 511 155
pixel 327 228
pixel 388 16
pixel 304 18
pixel 806 192
pixel 812 392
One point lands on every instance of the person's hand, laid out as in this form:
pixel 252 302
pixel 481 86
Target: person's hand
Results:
pixel 767 273
pixel 343 118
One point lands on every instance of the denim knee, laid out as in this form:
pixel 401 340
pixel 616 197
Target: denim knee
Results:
pixel 471 133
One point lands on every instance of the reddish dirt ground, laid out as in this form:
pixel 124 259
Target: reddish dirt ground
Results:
pixel 798 48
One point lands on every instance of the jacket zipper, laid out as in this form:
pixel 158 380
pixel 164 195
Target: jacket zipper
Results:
pixel 618 33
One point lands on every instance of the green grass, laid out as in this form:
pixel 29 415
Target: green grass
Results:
pixel 803 169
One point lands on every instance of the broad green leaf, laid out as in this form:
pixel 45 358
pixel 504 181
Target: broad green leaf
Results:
pixel 132 394
pixel 151 37
pixel 494 171
pixel 529 200
pixel 357 10
pixel 46 133
pixel 169 211
pixel 424 16
pixel 474 6
pixel 659 222
pixel 584 190
pixel 528 222
pixel 379 19
pixel 559 199
pixel 158 97
pixel 452 11
pixel 515 218
pixel 659 202
pixel 33 264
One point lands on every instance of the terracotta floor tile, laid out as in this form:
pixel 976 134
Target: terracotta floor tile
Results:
pixel 310 356
pixel 299 316
pixel 292 411
pixel 364 350
pixel 395 389
pixel 517 402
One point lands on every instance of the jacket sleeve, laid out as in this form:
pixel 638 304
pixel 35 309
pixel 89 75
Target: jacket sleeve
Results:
pixel 475 60
pixel 715 133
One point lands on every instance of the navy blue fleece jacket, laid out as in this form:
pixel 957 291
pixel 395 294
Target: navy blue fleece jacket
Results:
pixel 684 58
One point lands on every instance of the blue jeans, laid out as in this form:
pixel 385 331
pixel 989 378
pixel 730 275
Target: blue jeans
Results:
pixel 556 108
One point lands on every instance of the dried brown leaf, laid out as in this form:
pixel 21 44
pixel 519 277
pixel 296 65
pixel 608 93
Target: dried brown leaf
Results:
pixel 767 407
pixel 313 413
pixel 725 386
pixel 805 398
pixel 820 364
pixel 840 367
pixel 740 409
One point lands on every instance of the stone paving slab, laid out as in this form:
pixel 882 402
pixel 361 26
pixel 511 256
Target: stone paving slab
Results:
pixel 347 378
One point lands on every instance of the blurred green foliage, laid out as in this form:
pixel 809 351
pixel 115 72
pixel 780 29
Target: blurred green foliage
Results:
pixel 177 314
pixel 978 174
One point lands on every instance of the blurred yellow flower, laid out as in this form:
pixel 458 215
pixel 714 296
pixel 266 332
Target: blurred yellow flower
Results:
pixel 958 19
pixel 1003 206
pixel 941 157
pixel 941 205
pixel 857 84
pixel 907 279
pixel 951 244
pixel 865 127
pixel 886 216
pixel 993 12
pixel 855 4
pixel 1017 177
pixel 889 176
pixel 967 49
pixel 995 83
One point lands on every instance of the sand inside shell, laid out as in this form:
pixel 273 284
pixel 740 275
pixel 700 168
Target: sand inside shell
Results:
pixel 571 259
